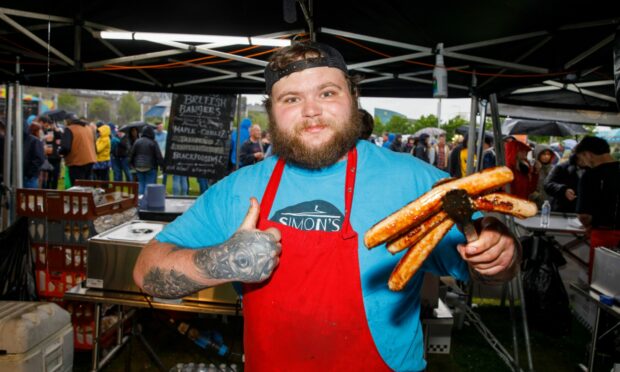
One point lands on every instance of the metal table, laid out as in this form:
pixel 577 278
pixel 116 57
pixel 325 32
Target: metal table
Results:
pixel 174 207
pixel 590 295
pixel 222 305
pixel 559 223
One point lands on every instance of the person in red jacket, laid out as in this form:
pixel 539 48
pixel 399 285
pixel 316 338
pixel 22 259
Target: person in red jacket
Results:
pixel 525 179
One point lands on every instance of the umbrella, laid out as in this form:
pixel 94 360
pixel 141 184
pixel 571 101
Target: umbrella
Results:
pixel 611 136
pixel 464 129
pixel 431 131
pixel 56 115
pixel 542 127
pixel 135 124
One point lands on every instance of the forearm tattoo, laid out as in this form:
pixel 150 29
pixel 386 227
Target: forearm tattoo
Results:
pixel 248 256
pixel 172 284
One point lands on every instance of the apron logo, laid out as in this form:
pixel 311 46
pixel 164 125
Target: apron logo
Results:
pixel 316 215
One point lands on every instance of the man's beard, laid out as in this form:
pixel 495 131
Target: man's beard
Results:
pixel 291 148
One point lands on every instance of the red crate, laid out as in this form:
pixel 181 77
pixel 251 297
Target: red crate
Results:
pixel 74 205
pixel 51 283
pixel 39 253
pixel 65 257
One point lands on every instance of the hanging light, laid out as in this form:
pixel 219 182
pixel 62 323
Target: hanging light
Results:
pixel 192 38
pixel 440 75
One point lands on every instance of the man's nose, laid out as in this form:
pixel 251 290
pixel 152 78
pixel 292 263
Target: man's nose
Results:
pixel 311 108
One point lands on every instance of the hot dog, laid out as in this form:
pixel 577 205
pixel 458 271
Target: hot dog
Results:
pixel 415 256
pixel 416 234
pixel 420 209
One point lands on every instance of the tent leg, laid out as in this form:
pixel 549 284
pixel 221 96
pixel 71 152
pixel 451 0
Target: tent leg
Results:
pixel 471 140
pixel 526 332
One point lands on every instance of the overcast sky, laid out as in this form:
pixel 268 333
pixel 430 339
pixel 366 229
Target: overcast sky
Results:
pixel 410 107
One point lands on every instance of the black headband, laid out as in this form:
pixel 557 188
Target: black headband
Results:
pixel 330 57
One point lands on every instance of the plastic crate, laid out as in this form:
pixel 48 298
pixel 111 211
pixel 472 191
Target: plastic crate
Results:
pixel 76 205
pixel 37 229
pixel 64 257
pixel 54 284
pixel 39 252
pixel 69 231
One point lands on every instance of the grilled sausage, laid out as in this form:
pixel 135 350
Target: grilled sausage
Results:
pixel 416 234
pixel 505 203
pixel 415 256
pixel 414 213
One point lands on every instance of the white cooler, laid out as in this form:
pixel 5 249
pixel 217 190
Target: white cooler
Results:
pixel 35 336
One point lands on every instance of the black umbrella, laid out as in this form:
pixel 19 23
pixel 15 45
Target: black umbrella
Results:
pixel 136 124
pixel 56 115
pixel 542 127
pixel 464 129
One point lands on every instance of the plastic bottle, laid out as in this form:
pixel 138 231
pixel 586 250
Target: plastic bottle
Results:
pixel 545 213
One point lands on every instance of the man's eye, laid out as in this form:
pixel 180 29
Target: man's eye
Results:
pixel 328 93
pixel 290 100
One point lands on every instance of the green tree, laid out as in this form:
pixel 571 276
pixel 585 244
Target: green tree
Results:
pixel 128 109
pixel 68 102
pixel 451 126
pixel 399 124
pixel 259 118
pixel 99 109
pixel 379 128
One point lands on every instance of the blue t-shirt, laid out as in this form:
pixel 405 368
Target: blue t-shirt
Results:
pixel 314 199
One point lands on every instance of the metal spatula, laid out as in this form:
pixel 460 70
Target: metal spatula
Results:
pixel 458 206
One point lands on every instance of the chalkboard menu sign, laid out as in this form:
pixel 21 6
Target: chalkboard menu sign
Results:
pixel 199 135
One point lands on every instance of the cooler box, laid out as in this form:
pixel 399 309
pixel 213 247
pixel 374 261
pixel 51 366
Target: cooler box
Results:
pixel 35 336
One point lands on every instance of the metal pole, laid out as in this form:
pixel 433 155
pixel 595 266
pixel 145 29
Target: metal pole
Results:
pixel 513 321
pixel 471 141
pixel 497 131
pixel 526 331
pixel 439 113
pixel 481 134
pixel 237 144
pixel 7 196
pixel 18 139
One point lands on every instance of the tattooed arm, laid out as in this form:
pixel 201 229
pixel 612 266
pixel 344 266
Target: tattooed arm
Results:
pixel 250 255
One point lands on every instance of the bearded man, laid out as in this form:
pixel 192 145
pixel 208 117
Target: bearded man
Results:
pixel 313 297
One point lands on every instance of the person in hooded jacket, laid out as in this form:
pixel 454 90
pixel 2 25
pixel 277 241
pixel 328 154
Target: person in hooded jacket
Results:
pixel 78 148
pixel 525 179
pixel 421 149
pixel 390 138
pixel 145 157
pixel 118 155
pixel 34 156
pixel 562 184
pixel 397 143
pixel 543 164
pixel 101 169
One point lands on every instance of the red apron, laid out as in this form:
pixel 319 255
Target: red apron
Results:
pixel 310 314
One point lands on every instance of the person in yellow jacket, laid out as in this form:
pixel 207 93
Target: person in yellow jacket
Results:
pixel 101 169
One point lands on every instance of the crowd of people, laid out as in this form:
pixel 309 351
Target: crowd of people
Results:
pixel 89 151
pixel 541 172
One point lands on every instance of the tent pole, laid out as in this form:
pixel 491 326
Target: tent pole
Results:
pixel 471 140
pixel 237 144
pixel 18 140
pixel 481 133
pixel 7 190
pixel 497 131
